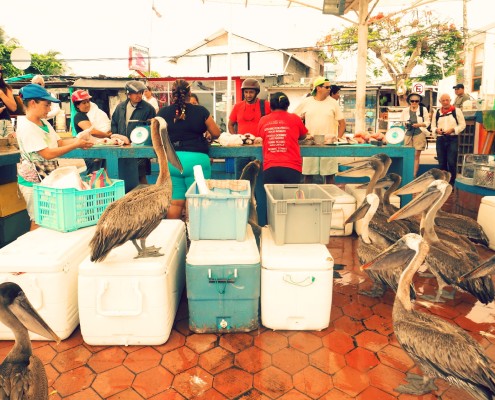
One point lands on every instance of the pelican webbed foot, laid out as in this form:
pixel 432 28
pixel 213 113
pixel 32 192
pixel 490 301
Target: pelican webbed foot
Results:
pixel 417 385
pixel 145 252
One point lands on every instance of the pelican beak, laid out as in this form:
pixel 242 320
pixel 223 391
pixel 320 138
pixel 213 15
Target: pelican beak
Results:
pixel 359 213
pixel 484 269
pixel 417 205
pixel 29 317
pixel 357 163
pixel 366 169
pixel 399 254
pixel 382 183
pixel 394 256
pixel 167 144
pixel 417 185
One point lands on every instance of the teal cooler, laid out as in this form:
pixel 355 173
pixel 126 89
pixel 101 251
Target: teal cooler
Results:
pixel 223 285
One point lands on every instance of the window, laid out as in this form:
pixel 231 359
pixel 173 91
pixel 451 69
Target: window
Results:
pixel 478 59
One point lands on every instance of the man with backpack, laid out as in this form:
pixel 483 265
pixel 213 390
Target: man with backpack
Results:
pixel 417 120
pixel 448 122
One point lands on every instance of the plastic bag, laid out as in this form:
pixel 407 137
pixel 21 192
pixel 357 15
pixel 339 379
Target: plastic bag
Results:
pixel 99 179
pixel 63 178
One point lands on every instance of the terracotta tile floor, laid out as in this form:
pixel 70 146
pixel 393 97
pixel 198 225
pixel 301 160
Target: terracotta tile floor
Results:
pixel 356 357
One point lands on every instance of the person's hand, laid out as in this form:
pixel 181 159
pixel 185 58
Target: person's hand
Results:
pixel 439 131
pixel 2 108
pixel 416 125
pixel 124 138
pixel 83 143
pixel 207 136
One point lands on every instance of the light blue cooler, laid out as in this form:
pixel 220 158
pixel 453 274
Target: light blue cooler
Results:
pixel 222 213
pixel 223 285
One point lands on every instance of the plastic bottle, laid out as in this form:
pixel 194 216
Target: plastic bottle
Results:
pixel 60 122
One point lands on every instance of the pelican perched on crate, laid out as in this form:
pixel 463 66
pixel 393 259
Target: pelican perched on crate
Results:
pixel 439 348
pixel 22 374
pixel 134 216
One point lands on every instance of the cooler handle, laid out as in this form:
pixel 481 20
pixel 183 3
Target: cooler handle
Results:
pixel 119 313
pixel 308 281
pixel 221 283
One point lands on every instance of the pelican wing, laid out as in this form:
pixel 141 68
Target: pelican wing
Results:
pixel 444 350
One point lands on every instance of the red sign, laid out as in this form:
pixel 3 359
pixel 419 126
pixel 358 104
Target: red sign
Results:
pixel 139 58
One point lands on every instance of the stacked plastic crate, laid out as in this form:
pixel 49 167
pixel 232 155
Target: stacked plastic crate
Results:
pixel 14 219
pixel 297 268
pixel 223 261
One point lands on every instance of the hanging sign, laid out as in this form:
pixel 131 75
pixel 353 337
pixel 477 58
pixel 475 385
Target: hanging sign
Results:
pixel 418 88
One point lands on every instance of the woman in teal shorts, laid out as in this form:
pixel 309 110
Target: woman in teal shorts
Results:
pixel 187 124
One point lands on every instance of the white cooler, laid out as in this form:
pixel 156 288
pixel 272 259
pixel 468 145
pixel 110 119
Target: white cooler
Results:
pixel 486 218
pixel 44 264
pixel 343 207
pixel 359 196
pixel 129 301
pixel 296 285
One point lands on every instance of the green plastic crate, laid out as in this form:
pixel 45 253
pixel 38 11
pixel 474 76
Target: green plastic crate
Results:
pixel 67 210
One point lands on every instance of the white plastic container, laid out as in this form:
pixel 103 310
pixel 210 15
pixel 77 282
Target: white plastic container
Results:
pixel 223 285
pixel 129 301
pixel 296 285
pixel 486 218
pixel 44 263
pixel 359 194
pixel 343 207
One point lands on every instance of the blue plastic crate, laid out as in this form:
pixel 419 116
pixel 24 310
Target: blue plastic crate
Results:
pixel 67 210
pixel 220 214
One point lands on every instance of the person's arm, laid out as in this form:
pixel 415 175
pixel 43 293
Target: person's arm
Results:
pixel 212 128
pixel 8 100
pixel 461 122
pixel 49 154
pixel 231 127
pixel 341 127
pixel 94 132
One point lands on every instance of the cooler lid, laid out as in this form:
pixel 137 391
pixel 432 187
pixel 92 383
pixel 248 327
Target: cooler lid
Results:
pixel 340 196
pixel 121 262
pixel 489 200
pixel 46 250
pixel 302 257
pixel 224 252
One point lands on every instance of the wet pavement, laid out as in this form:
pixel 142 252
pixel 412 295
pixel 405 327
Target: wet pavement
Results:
pixel 356 357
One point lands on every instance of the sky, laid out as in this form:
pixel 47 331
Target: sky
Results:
pixel 94 36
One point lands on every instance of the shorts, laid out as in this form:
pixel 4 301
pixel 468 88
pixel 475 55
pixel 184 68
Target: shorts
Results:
pixel 418 141
pixel 320 166
pixel 28 194
pixel 182 182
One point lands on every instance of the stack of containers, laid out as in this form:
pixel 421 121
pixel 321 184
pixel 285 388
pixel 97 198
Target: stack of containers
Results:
pixel 486 218
pixel 14 219
pixel 223 261
pixel 297 268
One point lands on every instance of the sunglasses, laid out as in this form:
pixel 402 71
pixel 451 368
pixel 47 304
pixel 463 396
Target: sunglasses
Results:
pixel 326 87
pixel 413 101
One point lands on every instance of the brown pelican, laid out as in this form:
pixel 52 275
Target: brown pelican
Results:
pixel 439 348
pixel 22 374
pixel 457 223
pixel 134 216
pixel 370 245
pixel 250 172
pixel 445 261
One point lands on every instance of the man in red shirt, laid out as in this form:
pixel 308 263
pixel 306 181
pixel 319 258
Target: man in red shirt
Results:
pixel 247 113
pixel 244 118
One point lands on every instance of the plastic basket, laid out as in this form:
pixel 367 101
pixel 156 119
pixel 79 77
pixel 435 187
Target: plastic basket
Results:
pixel 221 214
pixel 484 175
pixel 299 219
pixel 67 210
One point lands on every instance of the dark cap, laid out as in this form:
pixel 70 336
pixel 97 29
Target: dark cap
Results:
pixel 458 86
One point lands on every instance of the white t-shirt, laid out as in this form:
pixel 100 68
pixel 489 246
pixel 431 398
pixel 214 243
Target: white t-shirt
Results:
pixel 98 118
pixel 153 101
pixel 31 139
pixel 320 117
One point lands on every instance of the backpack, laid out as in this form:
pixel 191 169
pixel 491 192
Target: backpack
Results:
pixel 437 116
